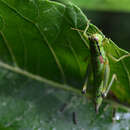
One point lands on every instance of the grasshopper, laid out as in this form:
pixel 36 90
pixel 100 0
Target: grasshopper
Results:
pixel 100 67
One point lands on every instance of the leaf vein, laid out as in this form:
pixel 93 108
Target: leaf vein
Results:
pixel 75 56
pixel 39 78
pixel 53 53
pixel 9 49
pixel 49 46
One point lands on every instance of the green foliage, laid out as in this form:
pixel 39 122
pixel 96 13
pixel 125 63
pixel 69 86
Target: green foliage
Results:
pixel 29 105
pixel 104 5
pixel 43 38
pixel 37 40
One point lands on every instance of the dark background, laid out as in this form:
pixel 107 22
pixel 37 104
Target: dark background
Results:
pixel 114 25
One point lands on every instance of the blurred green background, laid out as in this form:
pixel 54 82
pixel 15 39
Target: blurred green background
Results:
pixel 112 17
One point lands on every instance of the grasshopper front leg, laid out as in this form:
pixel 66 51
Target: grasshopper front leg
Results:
pixel 84 36
pixel 83 31
pixel 86 80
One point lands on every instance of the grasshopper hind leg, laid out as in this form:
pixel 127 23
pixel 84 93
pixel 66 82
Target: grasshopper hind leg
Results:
pixel 114 77
pixel 119 59
pixel 113 57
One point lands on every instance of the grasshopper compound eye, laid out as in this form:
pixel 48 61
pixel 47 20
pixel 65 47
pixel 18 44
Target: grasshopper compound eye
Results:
pixel 96 38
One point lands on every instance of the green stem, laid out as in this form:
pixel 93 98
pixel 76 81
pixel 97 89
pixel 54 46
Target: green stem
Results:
pixel 57 85
pixel 39 78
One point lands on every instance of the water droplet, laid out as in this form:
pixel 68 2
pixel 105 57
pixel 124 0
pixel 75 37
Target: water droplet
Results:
pixel 117 116
pixel 4 104
pixel 45 29
pixel 120 116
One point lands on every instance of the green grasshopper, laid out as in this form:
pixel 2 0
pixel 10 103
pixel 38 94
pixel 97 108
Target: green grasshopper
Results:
pixel 100 67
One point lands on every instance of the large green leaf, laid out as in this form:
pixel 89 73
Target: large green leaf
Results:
pixel 37 37
pixel 40 43
pixel 37 40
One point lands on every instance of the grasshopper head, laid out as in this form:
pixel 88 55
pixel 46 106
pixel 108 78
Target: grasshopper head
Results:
pixel 97 37
pixel 98 102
